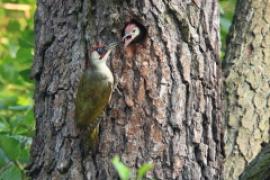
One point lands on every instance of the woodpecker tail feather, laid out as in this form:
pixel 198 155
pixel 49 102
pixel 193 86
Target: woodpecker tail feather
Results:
pixel 94 139
pixel 90 140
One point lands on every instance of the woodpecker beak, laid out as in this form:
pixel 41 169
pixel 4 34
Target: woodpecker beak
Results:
pixel 113 45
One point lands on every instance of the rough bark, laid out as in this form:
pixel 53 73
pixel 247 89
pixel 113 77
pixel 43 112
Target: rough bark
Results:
pixel 168 110
pixel 247 69
pixel 259 168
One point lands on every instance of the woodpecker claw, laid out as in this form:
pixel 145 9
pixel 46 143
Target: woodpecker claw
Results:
pixel 115 86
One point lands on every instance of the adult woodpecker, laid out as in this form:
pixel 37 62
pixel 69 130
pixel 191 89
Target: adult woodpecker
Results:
pixel 133 33
pixel 94 92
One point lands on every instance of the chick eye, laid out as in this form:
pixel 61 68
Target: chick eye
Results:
pixel 134 31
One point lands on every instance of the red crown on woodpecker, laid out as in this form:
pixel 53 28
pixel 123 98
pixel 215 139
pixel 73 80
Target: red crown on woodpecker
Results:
pixel 99 53
pixel 101 50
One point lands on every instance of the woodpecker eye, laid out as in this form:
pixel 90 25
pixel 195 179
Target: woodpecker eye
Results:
pixel 101 50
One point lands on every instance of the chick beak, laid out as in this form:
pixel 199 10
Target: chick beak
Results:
pixel 127 39
pixel 126 36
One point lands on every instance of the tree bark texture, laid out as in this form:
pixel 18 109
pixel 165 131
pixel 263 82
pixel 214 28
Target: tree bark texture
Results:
pixel 168 109
pixel 258 169
pixel 247 69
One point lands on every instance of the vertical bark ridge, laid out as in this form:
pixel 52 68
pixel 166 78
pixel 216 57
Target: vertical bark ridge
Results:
pixel 247 89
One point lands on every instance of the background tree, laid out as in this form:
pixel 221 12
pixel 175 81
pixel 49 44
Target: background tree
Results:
pixel 168 110
pixel 258 168
pixel 247 68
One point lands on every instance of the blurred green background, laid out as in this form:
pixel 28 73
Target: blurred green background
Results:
pixel 16 89
pixel 226 8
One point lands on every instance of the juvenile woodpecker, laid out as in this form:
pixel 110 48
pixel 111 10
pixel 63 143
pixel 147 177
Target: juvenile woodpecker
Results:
pixel 133 33
pixel 94 92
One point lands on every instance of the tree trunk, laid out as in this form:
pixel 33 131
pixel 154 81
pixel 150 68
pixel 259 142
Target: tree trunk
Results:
pixel 258 169
pixel 168 108
pixel 247 69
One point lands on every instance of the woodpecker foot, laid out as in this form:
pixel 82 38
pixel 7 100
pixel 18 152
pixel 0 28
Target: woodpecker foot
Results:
pixel 115 87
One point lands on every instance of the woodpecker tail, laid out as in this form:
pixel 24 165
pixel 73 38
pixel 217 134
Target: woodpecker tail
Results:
pixel 94 139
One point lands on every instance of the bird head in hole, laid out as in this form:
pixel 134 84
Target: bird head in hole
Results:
pixel 132 31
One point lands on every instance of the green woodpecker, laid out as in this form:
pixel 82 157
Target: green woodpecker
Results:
pixel 94 92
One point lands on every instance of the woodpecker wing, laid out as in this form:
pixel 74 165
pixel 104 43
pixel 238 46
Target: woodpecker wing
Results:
pixel 93 95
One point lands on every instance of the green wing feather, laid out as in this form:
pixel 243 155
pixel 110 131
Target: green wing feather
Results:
pixel 93 95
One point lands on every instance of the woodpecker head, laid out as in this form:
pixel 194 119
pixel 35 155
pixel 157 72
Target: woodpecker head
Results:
pixel 133 33
pixel 100 53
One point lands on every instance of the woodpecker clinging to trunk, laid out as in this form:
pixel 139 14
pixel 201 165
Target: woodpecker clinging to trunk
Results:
pixel 133 33
pixel 94 92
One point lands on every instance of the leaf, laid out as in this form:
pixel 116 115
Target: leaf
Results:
pixel 11 173
pixel 9 72
pixel 6 101
pixel 26 127
pixel 10 146
pixel 17 124
pixel 19 108
pixel 13 26
pixel 26 74
pixel 221 10
pixel 143 170
pixel 2 12
pixel 123 171
pixel 24 156
pixel 3 159
pixel 24 55
pixel 26 39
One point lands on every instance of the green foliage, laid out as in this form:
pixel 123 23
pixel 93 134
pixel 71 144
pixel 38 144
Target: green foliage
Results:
pixel 125 173
pixel 16 116
pixel 143 170
pixel 226 15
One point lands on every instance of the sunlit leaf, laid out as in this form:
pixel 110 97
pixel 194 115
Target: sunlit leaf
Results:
pixel 13 26
pixel 143 170
pixel 2 12
pixel 24 53
pixel 17 124
pixel 12 48
pixel 26 39
pixel 123 171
